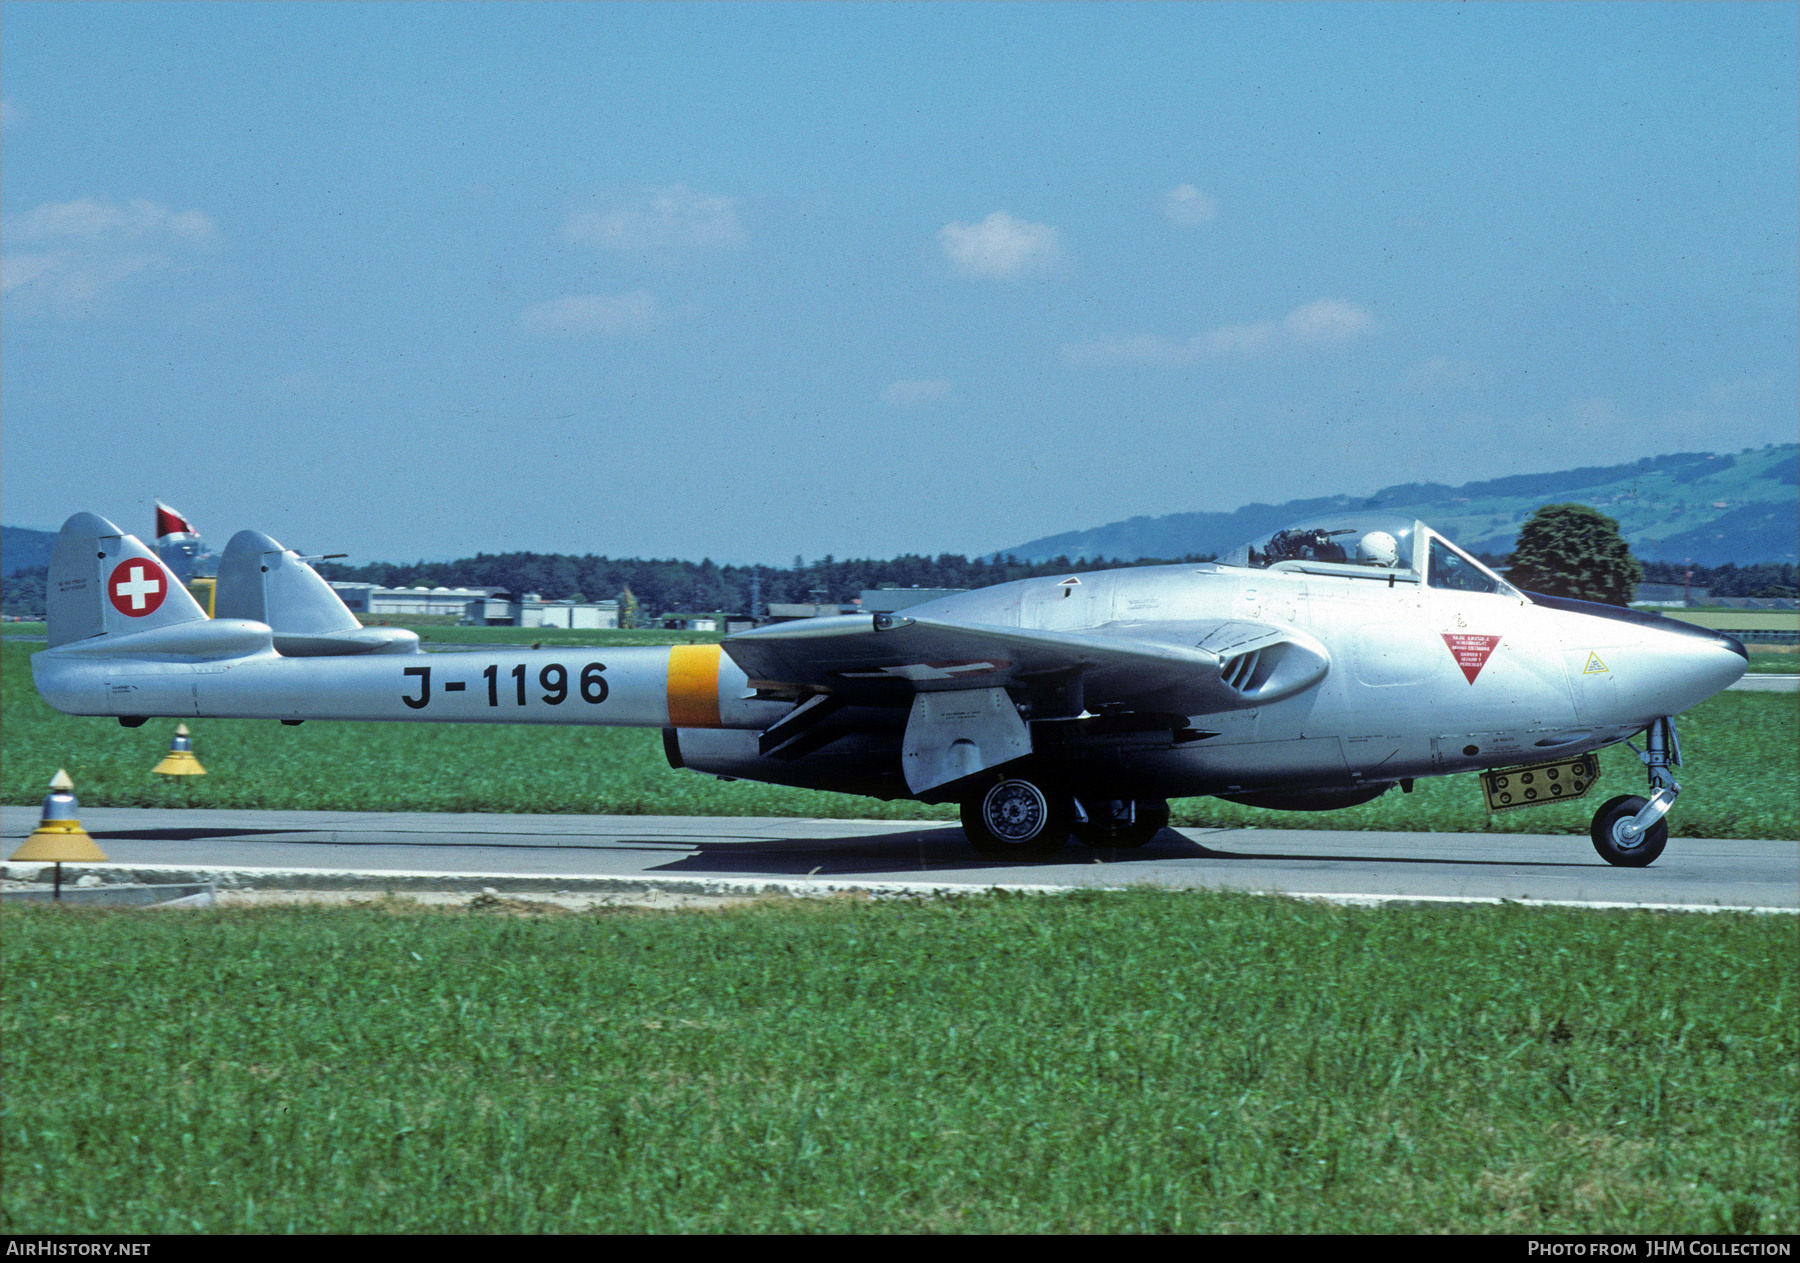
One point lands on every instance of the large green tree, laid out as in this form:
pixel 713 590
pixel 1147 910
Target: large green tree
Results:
pixel 1574 551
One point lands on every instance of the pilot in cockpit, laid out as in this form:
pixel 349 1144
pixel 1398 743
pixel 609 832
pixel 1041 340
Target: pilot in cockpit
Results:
pixel 1378 548
pixel 1346 544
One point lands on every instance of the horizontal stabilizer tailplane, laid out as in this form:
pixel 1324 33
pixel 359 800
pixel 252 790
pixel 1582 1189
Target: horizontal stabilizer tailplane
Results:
pixel 208 639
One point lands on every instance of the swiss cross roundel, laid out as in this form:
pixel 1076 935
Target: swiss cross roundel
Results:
pixel 137 587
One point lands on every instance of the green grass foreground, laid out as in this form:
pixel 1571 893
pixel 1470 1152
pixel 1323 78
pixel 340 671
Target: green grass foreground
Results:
pixel 1740 780
pixel 1121 1062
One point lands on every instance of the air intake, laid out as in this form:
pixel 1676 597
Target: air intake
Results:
pixel 1239 673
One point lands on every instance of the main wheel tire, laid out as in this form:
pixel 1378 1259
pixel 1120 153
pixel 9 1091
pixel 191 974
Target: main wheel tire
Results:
pixel 1017 820
pixel 1626 852
pixel 1152 819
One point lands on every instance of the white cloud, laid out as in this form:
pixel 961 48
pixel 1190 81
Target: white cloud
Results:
pixel 658 219
pixel 1186 204
pixel 87 219
pixel 1001 245
pixel 84 248
pixel 1441 374
pixel 1325 322
pixel 585 315
pixel 917 394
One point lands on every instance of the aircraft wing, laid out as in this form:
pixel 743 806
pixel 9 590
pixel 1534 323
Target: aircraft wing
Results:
pixel 1190 667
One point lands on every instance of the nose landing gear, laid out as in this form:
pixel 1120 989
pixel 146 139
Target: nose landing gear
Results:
pixel 1630 831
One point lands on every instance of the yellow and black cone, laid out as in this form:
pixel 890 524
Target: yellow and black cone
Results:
pixel 180 760
pixel 59 836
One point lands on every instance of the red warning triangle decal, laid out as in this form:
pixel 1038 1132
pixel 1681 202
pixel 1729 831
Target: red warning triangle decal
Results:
pixel 1471 652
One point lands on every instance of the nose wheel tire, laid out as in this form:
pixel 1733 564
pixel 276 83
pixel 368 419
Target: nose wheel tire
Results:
pixel 1612 843
pixel 1017 820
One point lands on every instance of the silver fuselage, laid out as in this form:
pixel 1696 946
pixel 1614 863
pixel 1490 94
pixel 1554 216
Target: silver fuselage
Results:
pixel 1395 703
pixel 1422 681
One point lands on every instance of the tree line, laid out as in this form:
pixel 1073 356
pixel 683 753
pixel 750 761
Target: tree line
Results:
pixel 1768 578
pixel 671 586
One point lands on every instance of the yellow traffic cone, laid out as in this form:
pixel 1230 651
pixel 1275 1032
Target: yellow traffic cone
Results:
pixel 59 835
pixel 180 760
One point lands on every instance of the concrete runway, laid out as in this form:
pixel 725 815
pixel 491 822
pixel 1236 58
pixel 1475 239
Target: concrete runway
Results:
pixel 722 854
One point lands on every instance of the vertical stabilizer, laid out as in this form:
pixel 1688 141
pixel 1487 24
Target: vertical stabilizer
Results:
pixel 105 582
pixel 261 581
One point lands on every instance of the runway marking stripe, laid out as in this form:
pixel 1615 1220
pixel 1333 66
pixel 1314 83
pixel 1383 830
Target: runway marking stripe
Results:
pixel 694 686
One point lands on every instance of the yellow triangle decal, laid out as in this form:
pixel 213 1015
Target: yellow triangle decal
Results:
pixel 1594 665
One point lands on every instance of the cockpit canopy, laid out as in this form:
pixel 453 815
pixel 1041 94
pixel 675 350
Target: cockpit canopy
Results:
pixel 1388 546
pixel 1381 541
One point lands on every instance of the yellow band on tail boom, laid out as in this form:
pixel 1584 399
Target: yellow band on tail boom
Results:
pixel 694 686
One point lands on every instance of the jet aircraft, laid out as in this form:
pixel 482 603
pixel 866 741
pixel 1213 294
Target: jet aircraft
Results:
pixel 1314 668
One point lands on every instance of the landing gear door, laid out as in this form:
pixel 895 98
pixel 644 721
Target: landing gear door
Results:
pixel 950 735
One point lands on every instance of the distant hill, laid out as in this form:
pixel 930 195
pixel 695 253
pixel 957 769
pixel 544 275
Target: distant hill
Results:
pixel 1690 506
pixel 23 549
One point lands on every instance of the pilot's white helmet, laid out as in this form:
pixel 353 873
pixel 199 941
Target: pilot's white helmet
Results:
pixel 1379 548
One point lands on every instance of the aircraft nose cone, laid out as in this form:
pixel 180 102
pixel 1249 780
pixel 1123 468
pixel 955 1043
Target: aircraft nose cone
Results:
pixel 1724 665
pixel 1654 665
pixel 1684 670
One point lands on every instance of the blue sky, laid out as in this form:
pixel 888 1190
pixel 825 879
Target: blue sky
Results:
pixel 752 281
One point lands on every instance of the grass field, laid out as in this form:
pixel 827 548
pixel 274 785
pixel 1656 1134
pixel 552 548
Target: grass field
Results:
pixel 1128 1062
pixel 1740 781
pixel 1774 659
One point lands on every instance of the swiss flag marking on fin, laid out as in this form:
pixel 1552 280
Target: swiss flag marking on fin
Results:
pixel 1471 652
pixel 137 587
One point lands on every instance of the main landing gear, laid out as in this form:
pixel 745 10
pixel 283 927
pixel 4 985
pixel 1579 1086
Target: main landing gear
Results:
pixel 1630 831
pixel 1127 823
pixel 1023 818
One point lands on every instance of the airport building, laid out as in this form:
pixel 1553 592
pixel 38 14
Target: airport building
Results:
pixel 480 607
pixel 716 621
pixel 534 611
pixel 1665 594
